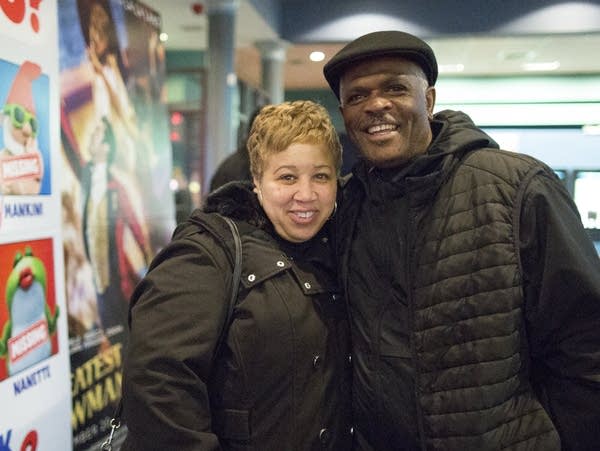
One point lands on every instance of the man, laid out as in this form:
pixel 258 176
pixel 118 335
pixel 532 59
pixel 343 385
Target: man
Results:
pixel 473 289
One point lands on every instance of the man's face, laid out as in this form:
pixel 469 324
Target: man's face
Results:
pixel 386 105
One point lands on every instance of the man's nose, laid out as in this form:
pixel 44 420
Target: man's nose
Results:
pixel 378 102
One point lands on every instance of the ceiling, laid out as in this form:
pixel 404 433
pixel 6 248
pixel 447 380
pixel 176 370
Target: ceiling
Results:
pixel 540 36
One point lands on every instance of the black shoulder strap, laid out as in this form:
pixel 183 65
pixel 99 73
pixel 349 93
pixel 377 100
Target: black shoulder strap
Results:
pixel 213 223
pixel 235 282
pixel 222 228
pixel 236 261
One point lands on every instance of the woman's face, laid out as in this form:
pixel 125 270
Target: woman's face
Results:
pixel 297 190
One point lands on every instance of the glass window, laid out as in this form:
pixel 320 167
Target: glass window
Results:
pixel 585 195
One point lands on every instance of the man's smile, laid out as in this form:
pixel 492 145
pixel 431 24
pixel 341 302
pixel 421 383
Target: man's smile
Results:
pixel 381 128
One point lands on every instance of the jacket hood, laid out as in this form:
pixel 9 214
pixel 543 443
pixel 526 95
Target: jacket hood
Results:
pixel 235 200
pixel 454 131
pixel 238 201
pixel 454 135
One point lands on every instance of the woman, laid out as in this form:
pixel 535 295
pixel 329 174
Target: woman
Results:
pixel 280 380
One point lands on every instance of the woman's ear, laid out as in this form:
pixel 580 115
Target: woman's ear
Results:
pixel 256 189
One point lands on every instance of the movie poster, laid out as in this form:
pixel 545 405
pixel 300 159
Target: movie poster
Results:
pixel 29 338
pixel 28 317
pixel 118 210
pixel 24 149
pixel 35 393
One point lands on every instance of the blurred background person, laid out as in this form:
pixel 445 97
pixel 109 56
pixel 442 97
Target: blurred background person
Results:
pixel 237 165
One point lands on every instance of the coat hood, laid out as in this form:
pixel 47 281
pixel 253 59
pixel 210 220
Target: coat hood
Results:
pixel 235 200
pixel 454 135
pixel 238 201
pixel 454 131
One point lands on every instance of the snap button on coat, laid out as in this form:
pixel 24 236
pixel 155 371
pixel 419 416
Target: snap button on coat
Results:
pixel 324 436
pixel 316 361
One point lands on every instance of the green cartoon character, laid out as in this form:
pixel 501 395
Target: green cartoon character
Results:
pixel 26 336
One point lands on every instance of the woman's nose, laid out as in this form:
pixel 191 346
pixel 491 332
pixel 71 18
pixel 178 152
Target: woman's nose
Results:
pixel 306 192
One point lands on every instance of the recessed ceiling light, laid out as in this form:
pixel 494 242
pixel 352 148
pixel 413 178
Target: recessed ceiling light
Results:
pixel 541 66
pixel 164 37
pixel 317 56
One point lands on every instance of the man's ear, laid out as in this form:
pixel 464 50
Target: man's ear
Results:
pixel 430 98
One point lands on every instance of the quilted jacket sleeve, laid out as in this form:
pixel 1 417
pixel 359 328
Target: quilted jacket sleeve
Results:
pixel 562 292
pixel 175 317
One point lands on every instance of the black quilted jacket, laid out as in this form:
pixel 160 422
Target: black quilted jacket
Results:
pixel 474 343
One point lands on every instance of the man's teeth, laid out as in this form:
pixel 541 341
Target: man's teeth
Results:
pixel 382 128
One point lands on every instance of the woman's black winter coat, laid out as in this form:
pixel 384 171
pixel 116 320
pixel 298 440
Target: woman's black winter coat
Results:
pixel 279 382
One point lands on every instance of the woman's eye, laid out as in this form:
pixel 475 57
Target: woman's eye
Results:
pixel 287 177
pixel 322 176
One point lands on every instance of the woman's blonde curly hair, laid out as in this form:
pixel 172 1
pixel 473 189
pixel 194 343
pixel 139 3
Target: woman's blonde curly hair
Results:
pixel 277 127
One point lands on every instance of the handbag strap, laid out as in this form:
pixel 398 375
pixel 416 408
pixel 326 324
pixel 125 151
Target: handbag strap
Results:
pixel 235 282
pixel 115 421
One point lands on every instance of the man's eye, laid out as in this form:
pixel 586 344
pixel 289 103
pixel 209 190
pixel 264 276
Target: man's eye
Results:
pixel 396 88
pixel 354 98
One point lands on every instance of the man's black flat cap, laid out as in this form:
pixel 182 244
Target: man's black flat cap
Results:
pixel 381 43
